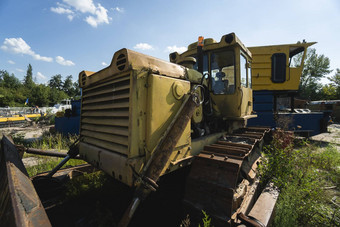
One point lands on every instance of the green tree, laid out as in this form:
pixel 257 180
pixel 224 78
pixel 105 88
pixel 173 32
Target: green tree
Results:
pixel 328 92
pixel 55 96
pixel 28 80
pixel 9 81
pixel 68 85
pixel 316 67
pixel 70 88
pixel 56 82
pixel 76 90
pixel 40 95
pixel 336 82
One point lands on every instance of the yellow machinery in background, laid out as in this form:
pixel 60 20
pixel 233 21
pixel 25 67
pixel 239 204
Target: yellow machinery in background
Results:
pixel 274 67
pixel 142 117
pixel 276 72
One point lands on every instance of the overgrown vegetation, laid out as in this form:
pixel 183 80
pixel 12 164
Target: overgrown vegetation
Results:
pixel 308 178
pixel 48 141
pixel 48 163
pixel 86 183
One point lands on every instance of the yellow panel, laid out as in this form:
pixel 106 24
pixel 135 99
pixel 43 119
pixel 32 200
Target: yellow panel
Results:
pixel 262 71
pixel 113 164
pixel 138 111
pixel 161 109
pixel 247 99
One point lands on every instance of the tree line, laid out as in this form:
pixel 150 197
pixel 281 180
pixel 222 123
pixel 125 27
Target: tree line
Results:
pixel 14 92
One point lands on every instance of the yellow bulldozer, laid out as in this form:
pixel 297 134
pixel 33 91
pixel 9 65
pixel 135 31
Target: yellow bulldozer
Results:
pixel 142 118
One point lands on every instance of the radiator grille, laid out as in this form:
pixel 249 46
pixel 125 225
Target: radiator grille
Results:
pixel 105 115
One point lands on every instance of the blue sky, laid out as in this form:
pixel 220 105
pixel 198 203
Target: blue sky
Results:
pixel 68 36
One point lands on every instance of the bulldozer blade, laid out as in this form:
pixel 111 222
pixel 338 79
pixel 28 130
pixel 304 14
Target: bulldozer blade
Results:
pixel 19 204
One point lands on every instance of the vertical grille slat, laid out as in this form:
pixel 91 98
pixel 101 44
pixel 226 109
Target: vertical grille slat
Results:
pixel 105 114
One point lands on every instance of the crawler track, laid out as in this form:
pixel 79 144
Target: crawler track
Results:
pixel 222 173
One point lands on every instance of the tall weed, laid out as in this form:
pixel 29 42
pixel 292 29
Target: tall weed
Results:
pixel 302 174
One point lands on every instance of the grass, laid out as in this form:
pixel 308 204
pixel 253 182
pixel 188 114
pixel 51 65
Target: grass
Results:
pixel 308 178
pixel 48 141
pixel 48 163
pixel 86 183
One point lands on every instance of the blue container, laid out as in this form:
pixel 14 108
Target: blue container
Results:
pixel 263 101
pixel 308 123
pixel 67 125
pixel 75 107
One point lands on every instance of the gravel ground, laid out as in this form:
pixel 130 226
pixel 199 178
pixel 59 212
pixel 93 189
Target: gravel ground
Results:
pixel 332 136
pixel 29 132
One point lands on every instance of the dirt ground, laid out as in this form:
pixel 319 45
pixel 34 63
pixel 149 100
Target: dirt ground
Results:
pixel 332 136
pixel 28 132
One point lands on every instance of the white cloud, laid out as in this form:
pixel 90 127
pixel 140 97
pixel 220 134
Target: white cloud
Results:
pixel 70 17
pixel 104 64
pixel 11 62
pixel 41 76
pixel 19 46
pixel 20 70
pixel 61 10
pixel 98 14
pixel 60 60
pixel 174 48
pixel 100 17
pixel 84 6
pixel 118 9
pixel 41 58
pixel 143 46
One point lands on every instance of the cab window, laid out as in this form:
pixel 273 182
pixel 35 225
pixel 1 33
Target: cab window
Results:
pixel 278 67
pixel 295 56
pixel 222 72
pixel 249 76
pixel 243 66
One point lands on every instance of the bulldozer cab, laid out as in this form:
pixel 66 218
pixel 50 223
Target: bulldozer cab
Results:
pixel 226 68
